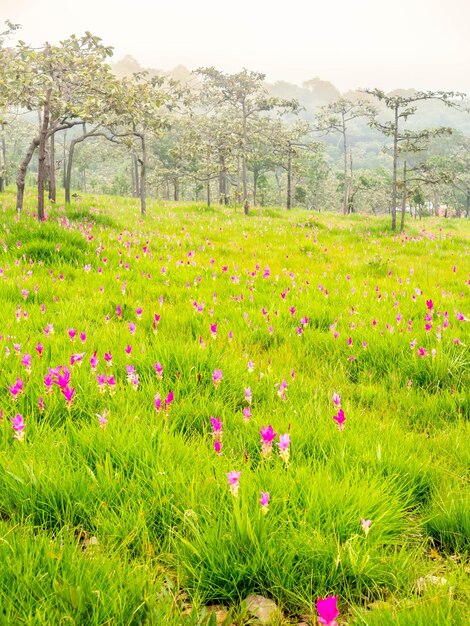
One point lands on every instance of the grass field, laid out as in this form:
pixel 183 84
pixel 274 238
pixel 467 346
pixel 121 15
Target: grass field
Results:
pixel 121 338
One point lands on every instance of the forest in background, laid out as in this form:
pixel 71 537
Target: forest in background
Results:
pixel 72 118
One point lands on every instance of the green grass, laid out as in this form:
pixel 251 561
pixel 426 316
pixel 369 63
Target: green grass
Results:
pixel 135 523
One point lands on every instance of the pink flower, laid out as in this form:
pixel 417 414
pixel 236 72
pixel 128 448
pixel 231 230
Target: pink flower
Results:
pixel 156 319
pixel 83 337
pixel 77 358
pixel 264 501
pixel 214 331
pixel 365 525
pixel 157 401
pixel 216 425
pixel 41 404
pixel 132 328
pixel 68 393
pixel 26 362
pixel 72 333
pixel 422 352
pixel 340 418
pixel 336 400
pixel 128 349
pixel 284 445
pixel 248 395
pixel 251 366
pixel 159 370
pixel 108 357
pixel 218 447
pixel 233 478
pixel 217 377
pixel 94 361
pixel 267 437
pixel 39 349
pixel 103 421
pixel 246 413
pixel 430 305
pixel 18 426
pixel 327 611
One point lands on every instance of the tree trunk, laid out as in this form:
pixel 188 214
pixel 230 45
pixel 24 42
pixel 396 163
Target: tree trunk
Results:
pixel 346 176
pixel 135 165
pixel 223 197
pixel 52 172
pixel 143 177
pixel 42 154
pixel 3 169
pixel 68 174
pixel 255 184
pixel 176 189
pixel 21 176
pixel 403 201
pixel 245 144
pixel 289 179
pixel 395 171
pixel 208 191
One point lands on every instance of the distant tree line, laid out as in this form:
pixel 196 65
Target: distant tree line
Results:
pixel 67 119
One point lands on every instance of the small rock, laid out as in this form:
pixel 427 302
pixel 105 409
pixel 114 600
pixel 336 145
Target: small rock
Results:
pixel 264 609
pixel 429 581
pixel 220 611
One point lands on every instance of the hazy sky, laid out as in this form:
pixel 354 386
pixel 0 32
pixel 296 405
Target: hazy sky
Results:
pixel 353 43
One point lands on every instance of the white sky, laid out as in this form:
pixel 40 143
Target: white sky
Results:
pixel 353 43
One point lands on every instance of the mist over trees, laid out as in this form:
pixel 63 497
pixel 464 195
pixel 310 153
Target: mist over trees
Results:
pixel 70 119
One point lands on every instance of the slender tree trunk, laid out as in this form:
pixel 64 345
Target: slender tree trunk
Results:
pixel 346 175
pixel 244 173
pixel 223 197
pixel 42 154
pixel 135 162
pixel 68 174
pixel 208 192
pixel 403 201
pixel 395 172
pixel 52 172
pixel 289 179
pixel 143 177
pixel 64 159
pixel 21 176
pixel 3 169
pixel 176 189
pixel 133 185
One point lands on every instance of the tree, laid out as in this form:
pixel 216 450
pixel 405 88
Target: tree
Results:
pixel 335 117
pixel 245 95
pixel 403 107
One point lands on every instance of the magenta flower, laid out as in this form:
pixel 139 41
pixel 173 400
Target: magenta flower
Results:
pixel 77 358
pixel 284 447
pixel 430 305
pixel 16 389
pixel 108 357
pixel 157 401
pixel 327 611
pixel 248 395
pixel 233 478
pixel 39 349
pixel 18 426
pixel 340 418
pixel 128 349
pixel 214 331
pixel 216 425
pixel 217 377
pixel 83 337
pixel 72 333
pixel 94 361
pixel 156 319
pixel 62 379
pixel 26 362
pixel 218 447
pixel 168 400
pixel 281 390
pixel 159 370
pixel 41 404
pixel 246 413
pixel 264 501
pixel 267 437
pixel 103 420
pixel 336 400
pixel 68 393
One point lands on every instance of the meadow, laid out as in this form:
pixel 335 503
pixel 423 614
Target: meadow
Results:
pixel 200 406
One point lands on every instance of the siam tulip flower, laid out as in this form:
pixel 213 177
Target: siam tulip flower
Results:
pixel 233 478
pixel 218 447
pixel 169 400
pixel 248 395
pixel 365 525
pixel 251 366
pixel 68 393
pixel 130 369
pixel 422 352
pixel 118 311
pixel 83 337
pixel 128 349
pixel 281 389
pixel 327 611
pixel 138 313
pixel 292 310
pixel 214 330
pixel 132 328
pixel 19 426
pixel 157 401
pixel 39 349
pixel 340 418
pixel 24 293
pixel 264 501
pixel 108 357
pixel 94 361
pixel 299 330
pixel 336 400
pixel 17 348
pixel 246 413
pixel 48 382
pixel 101 380
pixel 26 362
pixel 72 333
pixel 16 389
pixel 103 421
pixel 267 437
pixel 304 321
pixel 230 335
pixel 77 358
pixel 430 305
pixel 49 330
pixel 217 377
pixel 62 378
pixel 284 447
pixel 461 317
pixel 156 319
pixel 159 370
pixel 216 427
pixel 41 404
pixel 111 382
